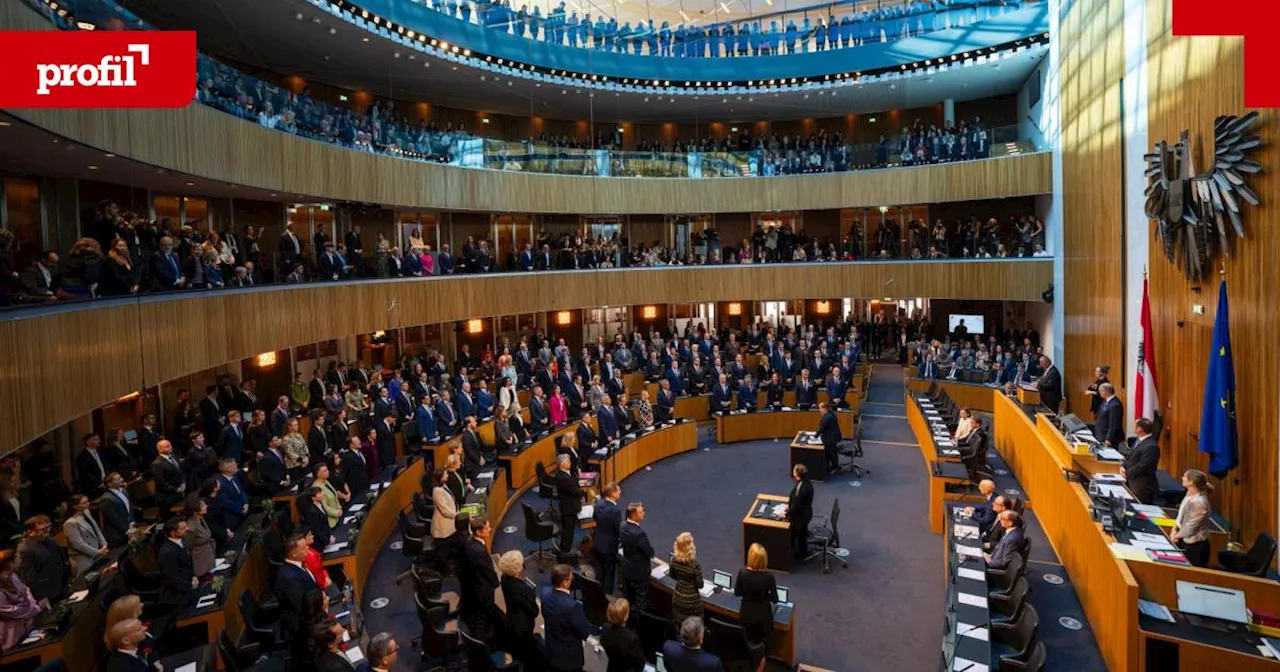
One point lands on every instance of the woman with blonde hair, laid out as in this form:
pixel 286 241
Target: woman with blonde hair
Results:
pixel 644 410
pixel 622 646
pixel 121 276
pixel 1191 529
pixel 687 573
pixel 296 454
pixel 759 592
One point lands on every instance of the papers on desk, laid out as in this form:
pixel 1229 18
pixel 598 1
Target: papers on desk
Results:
pixel 965 531
pixel 1272 645
pixel 973 631
pixel 972 600
pixel 357 508
pixel 787 408
pixel 374 487
pixel 332 548
pixel 779 510
pixel 1110 490
pixel 660 572
pixel 1149 510
pixel 1153 540
pixel 586 512
pixel 1111 478
pixel 348 520
pixel 969 551
pixel 78 595
pixel 971 574
pixel 1127 552
pixel 1155 610
pixel 707 590
pixel 1110 455
pixel 950 453
pixel 485 476
pixel 33 636
pixel 354 654
pixel 220 565
pixel 481 491
pixel 206 601
pixel 966 665
pixel 189 667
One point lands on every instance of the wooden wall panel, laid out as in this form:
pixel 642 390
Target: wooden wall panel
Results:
pixel 60 365
pixel 1191 81
pixel 1091 67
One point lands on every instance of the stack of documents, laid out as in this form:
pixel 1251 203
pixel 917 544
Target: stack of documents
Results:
pixel 1112 490
pixel 331 548
pixel 1147 541
pixel 965 531
pixel 220 565
pixel 1155 610
pixel 206 601
pixel 708 589
pixel 660 571
pixel 587 511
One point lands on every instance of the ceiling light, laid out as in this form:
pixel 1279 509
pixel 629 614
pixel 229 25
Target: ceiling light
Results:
pixel 191 184
pixel 93 167
pixel 364 39
pixel 298 16
pixel 109 156
pixel 4 124
pixel 333 31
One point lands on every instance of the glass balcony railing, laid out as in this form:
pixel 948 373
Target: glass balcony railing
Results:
pixel 631 28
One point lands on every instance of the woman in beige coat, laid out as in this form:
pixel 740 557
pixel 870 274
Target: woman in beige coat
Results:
pixel 199 538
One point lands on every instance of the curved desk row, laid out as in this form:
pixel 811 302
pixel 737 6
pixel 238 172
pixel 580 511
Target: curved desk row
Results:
pixel 764 424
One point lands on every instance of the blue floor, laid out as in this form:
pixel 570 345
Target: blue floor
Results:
pixel 850 620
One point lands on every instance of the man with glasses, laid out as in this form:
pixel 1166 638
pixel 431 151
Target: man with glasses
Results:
pixel 42 564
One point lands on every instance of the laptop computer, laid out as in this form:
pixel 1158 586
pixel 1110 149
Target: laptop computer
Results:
pixel 784 598
pixel 721 579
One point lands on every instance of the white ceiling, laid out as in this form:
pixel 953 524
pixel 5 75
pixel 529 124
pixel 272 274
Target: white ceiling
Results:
pixel 268 34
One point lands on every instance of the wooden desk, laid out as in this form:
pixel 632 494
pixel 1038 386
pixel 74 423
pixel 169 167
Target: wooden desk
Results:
pixel 966 395
pixel 725 606
pixel 812 456
pixel 520 466
pixel 1030 397
pixel 774 535
pixel 380 521
pixel 648 448
pixel 774 425
pixel 938 495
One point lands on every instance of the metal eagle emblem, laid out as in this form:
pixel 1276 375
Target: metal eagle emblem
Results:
pixel 1199 215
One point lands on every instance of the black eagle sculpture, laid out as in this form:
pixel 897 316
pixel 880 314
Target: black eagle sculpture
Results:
pixel 1193 209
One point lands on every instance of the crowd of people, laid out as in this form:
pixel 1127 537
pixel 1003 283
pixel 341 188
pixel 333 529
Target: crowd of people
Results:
pixel 124 254
pixel 830 27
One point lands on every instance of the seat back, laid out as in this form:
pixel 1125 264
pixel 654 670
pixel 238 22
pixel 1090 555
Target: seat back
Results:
pixel 835 522
pixel 228 650
pixel 729 642
pixel 594 599
pixel 1011 606
pixel 1019 637
pixel 535 529
pixel 653 632
pixel 1034 661
pixel 1260 554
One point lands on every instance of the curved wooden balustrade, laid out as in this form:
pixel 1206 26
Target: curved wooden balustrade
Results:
pixel 61 363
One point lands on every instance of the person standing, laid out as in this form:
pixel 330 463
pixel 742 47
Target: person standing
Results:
pixel 686 602
pixel 85 541
pixel 621 645
pixel 759 592
pixel 1050 385
pixel 1139 468
pixel 608 519
pixel 1109 428
pixel 829 432
pixel 478 608
pixel 570 503
pixel 1191 529
pixel 1099 377
pixel 565 621
pixel 800 511
pixel 637 556
pixel 42 564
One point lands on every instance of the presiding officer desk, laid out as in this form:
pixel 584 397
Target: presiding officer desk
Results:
pixel 768 424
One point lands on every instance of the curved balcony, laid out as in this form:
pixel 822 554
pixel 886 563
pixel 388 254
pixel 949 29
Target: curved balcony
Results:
pixel 155 339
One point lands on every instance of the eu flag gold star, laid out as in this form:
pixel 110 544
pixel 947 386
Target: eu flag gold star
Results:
pixel 1222 352
pixel 1224 403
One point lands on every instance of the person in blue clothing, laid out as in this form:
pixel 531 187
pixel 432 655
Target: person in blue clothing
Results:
pixel 651 38
pixel 791 37
pixel 664 40
pixel 571 29
pixel 565 621
pixel 820 35
pixel 687 655
pixel 466 11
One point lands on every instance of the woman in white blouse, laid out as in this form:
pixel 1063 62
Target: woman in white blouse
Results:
pixel 1191 530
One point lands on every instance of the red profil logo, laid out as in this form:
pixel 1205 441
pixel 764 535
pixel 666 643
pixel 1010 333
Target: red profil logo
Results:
pixel 1254 20
pixel 97 69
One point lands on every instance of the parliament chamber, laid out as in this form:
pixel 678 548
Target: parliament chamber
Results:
pixel 434 335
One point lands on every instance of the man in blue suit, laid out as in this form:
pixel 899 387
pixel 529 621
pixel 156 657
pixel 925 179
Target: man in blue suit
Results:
pixel 748 394
pixel 566 623
pixel 606 421
pixel 608 519
pixel 637 557
pixel 230 440
pixel 484 401
pixel 233 497
pixel 836 388
pixel 687 654
pixel 539 414
pixel 166 274
pixel 447 417
pixel 721 395
pixel 445 260
pixel 425 419
pixel 526 257
pixel 806 390
pixel 466 402
pixel 1009 545
pixel 675 378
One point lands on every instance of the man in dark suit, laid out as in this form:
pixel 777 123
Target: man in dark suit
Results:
pixel 622 414
pixel 477 605
pixel 829 432
pixel 1010 544
pixel 675 378
pixel 230 440
pixel 446 416
pixel 806 390
pixel 687 654
pixel 996 533
pixel 311 510
pixel 1050 385
pixel 317 388
pixel 294 583
pixel 290 247
pixel 637 557
pixel 984 514
pixel 928 369
pixel 326 638
pixel 571 495
pixel 386 441
pixel 472 448
pixel 90 467
pixel 565 621
pixel 166 271
pixel 721 395
pixel 800 511
pixel 588 440
pixel 837 386
pixel 42 563
pixel 608 519
pixel 271 470
pixel 177 578
pixel 354 468
pixel 233 496
pixel 318 437
pixel 1109 426
pixel 212 412
pixel 116 510
pixel 1139 468
pixel 170 482
pixel 526 257
pixel 748 394
pixel 606 420
pixel 665 409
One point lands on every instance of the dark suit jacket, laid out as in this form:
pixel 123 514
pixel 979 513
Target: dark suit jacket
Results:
pixel 1050 387
pixel 230 443
pixel 522 604
pixel 271 471
pixel 587 439
pixel 210 414
pixel 800 504
pixel 355 471
pixel 232 499
pixel 116 518
pixel 566 626
pixel 331 661
pixel 386 442
pixel 806 396
pixel 680 658
pixel 89 475
pixel 623 647
pixel 829 429
pixel 477 576
pixel 985 514
pixel 636 552
pixel 168 478
pixel 43 567
pixel 1109 426
pixel 318 521
pixel 472 451
pixel 607 422
pixel 176 572
pixel 1008 546
pixel 608 518
pixel 123 662
pixel 570 494
pixel 1140 469
pixel 539 414
pixel 292 586
pixel 720 397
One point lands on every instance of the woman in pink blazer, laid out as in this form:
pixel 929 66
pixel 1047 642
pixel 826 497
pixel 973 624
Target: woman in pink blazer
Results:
pixel 18 608
pixel 559 409
pixel 428 261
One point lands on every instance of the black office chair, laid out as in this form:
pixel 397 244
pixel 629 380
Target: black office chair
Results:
pixel 423 507
pixel 729 642
pixel 547 490
pixel 1002 580
pixel 416 528
pixel 1034 661
pixel 412 543
pixel 1255 562
pixel 237 658
pixel 826 536
pixel 653 631
pixel 853 451
pixel 146 585
pixel 539 531
pixel 594 599
pixel 445 647
pixel 265 634
pixel 974 458
pixel 1008 606
pixel 1018 635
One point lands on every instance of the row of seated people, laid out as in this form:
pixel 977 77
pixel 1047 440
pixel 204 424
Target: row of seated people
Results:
pixel 996 364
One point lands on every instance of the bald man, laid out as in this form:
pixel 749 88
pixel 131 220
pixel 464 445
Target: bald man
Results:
pixel 985 514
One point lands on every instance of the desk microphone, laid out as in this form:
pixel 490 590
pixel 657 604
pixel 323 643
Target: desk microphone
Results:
pixel 968 630
pixel 966 667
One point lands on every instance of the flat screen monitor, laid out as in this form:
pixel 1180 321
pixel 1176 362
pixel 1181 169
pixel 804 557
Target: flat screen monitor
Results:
pixel 1212 601
pixel 131 435
pixel 721 578
pixel 976 324
pixel 784 594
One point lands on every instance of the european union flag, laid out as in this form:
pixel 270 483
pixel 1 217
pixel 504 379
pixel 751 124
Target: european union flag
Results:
pixel 1218 435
